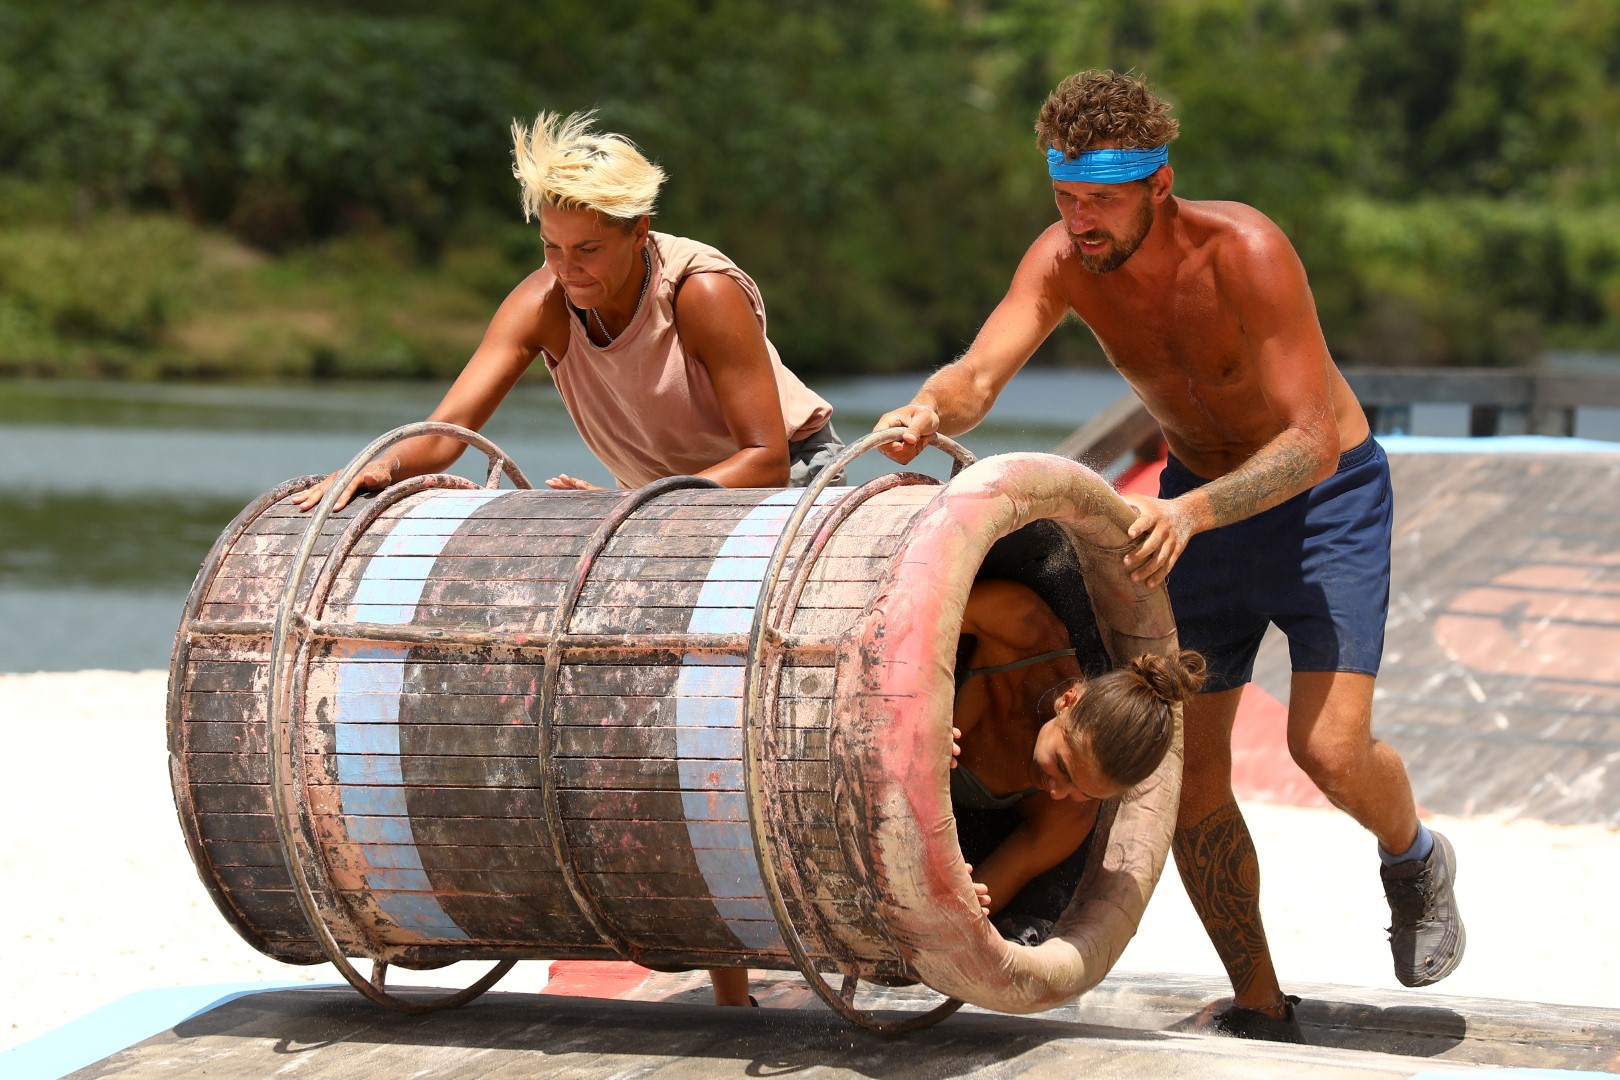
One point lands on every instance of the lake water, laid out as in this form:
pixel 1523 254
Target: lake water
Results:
pixel 111 494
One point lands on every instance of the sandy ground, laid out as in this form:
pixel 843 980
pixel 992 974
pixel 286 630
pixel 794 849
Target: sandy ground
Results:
pixel 101 897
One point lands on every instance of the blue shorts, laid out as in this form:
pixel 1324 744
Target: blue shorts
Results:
pixel 1317 566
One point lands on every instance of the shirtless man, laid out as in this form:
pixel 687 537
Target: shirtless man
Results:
pixel 1275 505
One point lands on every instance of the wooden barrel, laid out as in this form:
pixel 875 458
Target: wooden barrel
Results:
pixel 683 725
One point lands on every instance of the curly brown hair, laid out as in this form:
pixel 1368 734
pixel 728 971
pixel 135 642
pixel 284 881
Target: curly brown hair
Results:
pixel 1102 107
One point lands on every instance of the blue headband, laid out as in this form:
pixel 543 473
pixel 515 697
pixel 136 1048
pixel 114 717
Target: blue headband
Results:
pixel 1106 166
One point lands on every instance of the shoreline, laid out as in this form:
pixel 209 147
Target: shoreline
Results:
pixel 106 901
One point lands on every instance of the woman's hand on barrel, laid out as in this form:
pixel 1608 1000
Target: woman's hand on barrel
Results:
pixel 564 482
pixel 981 891
pixel 921 423
pixel 374 477
pixel 956 745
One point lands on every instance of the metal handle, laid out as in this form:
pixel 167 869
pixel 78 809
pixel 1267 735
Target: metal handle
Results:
pixel 282 769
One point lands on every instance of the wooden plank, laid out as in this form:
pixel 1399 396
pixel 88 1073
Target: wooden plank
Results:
pixel 629 774
pixel 227 675
pixel 237 564
pixel 806 681
pixel 617 680
pixel 233 649
pixel 546 888
pixel 241 853
pixel 224 724
pixel 677 895
pixel 213 799
pixel 688 935
pixel 262 592
pixel 250 828
pixel 488 857
pixel 525 836
pixel 438 669
pixel 260 879
pixel 505 913
pixel 595 710
pixel 689 523
pixel 634 621
pixel 273 912
pixel 454 711
pixel 608 832
pixel 519 619
pixel 237 613
pixel 812 713
pixel 655 743
pixel 437 772
pixel 470 805
pixel 636 805
pixel 834 594
pixel 450 588
pixel 229 768
pixel 824 622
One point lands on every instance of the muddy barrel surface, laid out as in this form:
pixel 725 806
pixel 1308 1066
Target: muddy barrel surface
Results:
pixel 682 725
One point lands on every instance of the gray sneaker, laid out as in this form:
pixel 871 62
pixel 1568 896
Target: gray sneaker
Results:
pixel 1425 933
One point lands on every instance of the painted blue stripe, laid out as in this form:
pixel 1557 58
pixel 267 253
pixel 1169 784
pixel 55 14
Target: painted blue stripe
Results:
pixel 131 1019
pixel 748 547
pixel 721 620
pixel 367 739
pixel 736 862
pixel 709 725
pixel 716 775
pixel 712 711
pixel 708 742
pixel 738 568
pixel 401 879
pixel 381 768
pixel 373 801
pixel 704 676
pixel 1498 444
pixel 366 714
pixel 393 856
pixel 393 831
pixel 719 837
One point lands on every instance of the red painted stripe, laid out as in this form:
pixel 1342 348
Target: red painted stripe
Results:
pixel 1262 768
pixel 594 978
pixel 1140 478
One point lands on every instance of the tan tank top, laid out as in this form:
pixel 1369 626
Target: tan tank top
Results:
pixel 643 404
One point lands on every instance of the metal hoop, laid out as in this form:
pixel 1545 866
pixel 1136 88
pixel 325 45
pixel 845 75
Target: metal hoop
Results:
pixel 753 780
pixel 561 616
pixel 282 668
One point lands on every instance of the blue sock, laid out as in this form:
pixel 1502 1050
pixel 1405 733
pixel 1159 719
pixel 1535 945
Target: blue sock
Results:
pixel 1422 844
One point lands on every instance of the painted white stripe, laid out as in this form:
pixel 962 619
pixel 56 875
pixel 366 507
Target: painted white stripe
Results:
pixel 709 722
pixel 366 714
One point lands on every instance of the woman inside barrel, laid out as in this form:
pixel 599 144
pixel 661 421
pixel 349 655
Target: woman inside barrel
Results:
pixel 1039 748
pixel 656 343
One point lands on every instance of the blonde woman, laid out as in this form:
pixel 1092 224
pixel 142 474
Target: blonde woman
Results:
pixel 656 343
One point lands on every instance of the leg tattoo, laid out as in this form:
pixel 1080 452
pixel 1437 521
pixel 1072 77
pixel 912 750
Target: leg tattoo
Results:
pixel 1221 872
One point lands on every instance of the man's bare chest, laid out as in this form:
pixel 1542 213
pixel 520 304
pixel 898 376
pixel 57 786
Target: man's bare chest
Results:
pixel 1182 332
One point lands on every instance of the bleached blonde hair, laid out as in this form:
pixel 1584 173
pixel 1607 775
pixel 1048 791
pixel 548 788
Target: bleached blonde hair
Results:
pixel 563 162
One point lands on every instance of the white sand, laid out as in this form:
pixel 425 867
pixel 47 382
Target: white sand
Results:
pixel 101 897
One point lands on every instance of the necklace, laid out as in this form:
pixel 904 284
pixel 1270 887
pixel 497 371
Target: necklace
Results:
pixel 646 261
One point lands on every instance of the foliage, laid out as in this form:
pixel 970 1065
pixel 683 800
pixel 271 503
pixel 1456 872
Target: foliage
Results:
pixel 284 125
pixel 1443 166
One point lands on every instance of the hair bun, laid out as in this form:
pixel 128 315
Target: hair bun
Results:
pixel 1172 678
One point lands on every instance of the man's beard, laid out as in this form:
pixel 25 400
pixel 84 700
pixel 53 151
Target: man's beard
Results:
pixel 1121 249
